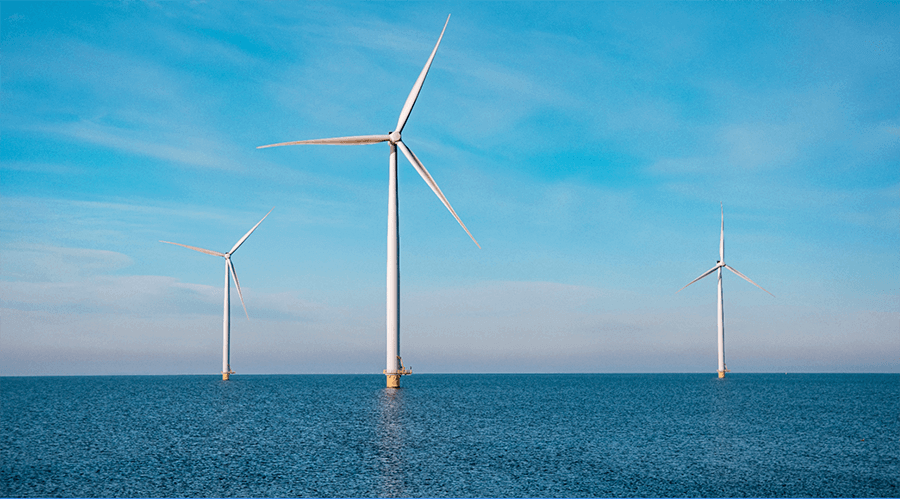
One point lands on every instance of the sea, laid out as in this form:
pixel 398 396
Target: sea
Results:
pixel 452 435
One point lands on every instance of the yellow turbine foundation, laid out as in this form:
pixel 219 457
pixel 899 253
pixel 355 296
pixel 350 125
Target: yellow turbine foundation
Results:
pixel 721 374
pixel 226 374
pixel 393 377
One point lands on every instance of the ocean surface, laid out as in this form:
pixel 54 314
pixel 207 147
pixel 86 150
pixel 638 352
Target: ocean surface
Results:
pixel 454 435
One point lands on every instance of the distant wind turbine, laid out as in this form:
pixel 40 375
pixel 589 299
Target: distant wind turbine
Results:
pixel 395 368
pixel 229 273
pixel 721 316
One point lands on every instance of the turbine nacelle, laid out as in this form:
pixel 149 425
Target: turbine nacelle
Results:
pixel 394 137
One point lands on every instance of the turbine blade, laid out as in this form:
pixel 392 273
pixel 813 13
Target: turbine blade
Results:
pixel 747 279
pixel 336 141
pixel 239 243
pixel 431 183
pixel 414 93
pixel 201 250
pixel 722 235
pixel 710 271
pixel 238 286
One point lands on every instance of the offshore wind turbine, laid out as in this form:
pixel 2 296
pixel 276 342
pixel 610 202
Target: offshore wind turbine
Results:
pixel 721 315
pixel 229 273
pixel 394 368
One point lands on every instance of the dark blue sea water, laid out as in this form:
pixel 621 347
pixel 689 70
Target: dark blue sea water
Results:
pixel 573 435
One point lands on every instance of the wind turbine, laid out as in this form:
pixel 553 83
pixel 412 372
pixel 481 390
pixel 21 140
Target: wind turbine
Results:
pixel 229 273
pixel 721 316
pixel 394 368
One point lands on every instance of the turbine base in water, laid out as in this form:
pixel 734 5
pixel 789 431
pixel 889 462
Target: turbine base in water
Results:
pixel 721 374
pixel 393 377
pixel 226 374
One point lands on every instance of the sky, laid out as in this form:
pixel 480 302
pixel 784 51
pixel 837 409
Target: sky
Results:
pixel 586 146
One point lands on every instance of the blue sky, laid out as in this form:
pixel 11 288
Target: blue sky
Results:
pixel 587 147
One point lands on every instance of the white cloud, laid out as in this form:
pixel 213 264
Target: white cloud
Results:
pixel 51 263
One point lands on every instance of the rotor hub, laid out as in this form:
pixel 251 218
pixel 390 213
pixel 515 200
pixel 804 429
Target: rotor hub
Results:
pixel 394 137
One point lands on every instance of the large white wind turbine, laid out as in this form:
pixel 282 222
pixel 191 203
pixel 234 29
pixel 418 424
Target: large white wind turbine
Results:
pixel 719 266
pixel 395 368
pixel 229 273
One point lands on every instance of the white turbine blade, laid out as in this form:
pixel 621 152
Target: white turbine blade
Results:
pixel 747 279
pixel 710 271
pixel 722 235
pixel 337 141
pixel 239 243
pixel 431 183
pixel 238 286
pixel 201 250
pixel 414 93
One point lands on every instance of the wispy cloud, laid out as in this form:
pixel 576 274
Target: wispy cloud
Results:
pixel 50 263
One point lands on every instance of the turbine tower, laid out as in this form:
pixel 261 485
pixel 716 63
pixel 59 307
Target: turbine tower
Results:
pixel 394 368
pixel 229 273
pixel 721 315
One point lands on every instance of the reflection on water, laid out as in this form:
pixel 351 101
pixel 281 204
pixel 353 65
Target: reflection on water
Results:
pixel 721 434
pixel 389 431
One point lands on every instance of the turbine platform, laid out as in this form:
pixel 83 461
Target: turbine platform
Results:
pixel 226 374
pixel 393 377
